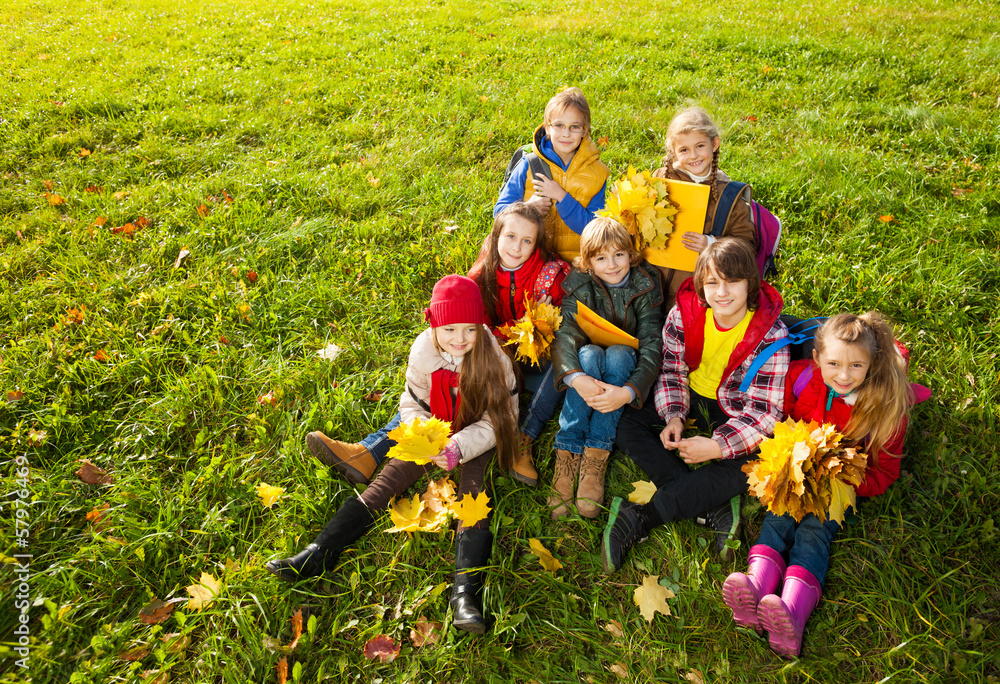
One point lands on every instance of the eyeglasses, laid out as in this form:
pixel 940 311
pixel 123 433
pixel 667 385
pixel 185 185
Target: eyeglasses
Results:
pixel 574 128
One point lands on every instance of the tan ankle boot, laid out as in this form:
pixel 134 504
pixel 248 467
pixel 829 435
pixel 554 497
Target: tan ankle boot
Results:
pixel 523 469
pixel 353 460
pixel 567 466
pixel 590 492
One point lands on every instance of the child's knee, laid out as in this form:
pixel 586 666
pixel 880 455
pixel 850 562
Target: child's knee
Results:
pixel 592 360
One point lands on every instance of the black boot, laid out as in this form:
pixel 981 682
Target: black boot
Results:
pixel 472 553
pixel 725 521
pixel 346 526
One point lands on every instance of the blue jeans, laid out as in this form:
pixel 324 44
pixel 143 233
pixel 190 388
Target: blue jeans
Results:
pixel 544 401
pixel 806 544
pixel 579 425
pixel 378 442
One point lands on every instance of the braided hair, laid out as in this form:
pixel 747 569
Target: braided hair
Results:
pixel 693 120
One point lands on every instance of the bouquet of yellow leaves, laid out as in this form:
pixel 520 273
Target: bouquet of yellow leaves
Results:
pixel 533 332
pixel 420 440
pixel 804 469
pixel 642 204
pixel 434 510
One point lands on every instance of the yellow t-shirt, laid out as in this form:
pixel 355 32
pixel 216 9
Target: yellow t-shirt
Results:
pixel 719 346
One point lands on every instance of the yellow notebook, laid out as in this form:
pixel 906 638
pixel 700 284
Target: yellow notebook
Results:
pixel 692 199
pixel 601 331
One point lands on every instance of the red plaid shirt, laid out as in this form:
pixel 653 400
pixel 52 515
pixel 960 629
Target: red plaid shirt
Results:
pixel 752 415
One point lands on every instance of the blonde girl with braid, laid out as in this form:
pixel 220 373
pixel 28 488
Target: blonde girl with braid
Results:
pixel 692 155
pixel 856 380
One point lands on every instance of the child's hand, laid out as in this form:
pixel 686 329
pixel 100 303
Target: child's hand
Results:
pixel 611 399
pixel 546 187
pixel 586 387
pixel 547 299
pixel 672 433
pixel 698 450
pixel 448 457
pixel 541 204
pixel 696 242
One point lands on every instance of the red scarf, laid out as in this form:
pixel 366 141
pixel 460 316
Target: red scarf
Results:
pixel 443 405
pixel 512 286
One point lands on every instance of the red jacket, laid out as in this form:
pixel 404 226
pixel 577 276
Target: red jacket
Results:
pixel 810 404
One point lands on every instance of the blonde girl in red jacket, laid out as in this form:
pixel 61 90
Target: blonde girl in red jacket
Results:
pixel 856 380
pixel 458 373
pixel 513 264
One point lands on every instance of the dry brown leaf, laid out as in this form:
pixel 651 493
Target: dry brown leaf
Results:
pixel 695 677
pixel 135 654
pixel 618 669
pixel 155 612
pixel 14 395
pixel 614 628
pixel 203 211
pixel 296 629
pixel 93 475
pixel 383 647
pixel 425 632
pixel 283 670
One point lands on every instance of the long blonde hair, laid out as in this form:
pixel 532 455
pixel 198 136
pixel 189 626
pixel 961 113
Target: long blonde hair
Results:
pixel 884 396
pixel 484 389
pixel 693 120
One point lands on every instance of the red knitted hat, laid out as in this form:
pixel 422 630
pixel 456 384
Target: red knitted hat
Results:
pixel 455 300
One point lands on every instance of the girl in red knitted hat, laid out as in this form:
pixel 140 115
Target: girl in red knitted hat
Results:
pixel 458 373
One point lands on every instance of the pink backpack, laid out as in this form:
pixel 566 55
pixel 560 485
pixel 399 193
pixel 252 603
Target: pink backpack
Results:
pixel 766 225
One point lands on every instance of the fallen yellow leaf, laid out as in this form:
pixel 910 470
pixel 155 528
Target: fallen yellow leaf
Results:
pixel 544 555
pixel 642 492
pixel 204 592
pixel 269 495
pixel 652 598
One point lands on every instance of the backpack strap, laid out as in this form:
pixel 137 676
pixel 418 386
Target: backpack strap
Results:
pixel 802 381
pixel 724 207
pixel 537 166
pixel 797 337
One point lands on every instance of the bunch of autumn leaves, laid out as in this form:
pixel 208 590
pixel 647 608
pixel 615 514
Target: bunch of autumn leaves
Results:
pixel 433 510
pixel 804 469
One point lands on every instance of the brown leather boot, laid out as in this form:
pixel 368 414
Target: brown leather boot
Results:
pixel 523 469
pixel 590 492
pixel 564 483
pixel 354 461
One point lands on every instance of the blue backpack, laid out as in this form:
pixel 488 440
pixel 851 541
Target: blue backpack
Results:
pixel 801 335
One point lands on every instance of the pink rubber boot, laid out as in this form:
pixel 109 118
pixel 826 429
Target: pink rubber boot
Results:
pixel 742 592
pixel 785 618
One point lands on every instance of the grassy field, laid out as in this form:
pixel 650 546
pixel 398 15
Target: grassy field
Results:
pixel 311 158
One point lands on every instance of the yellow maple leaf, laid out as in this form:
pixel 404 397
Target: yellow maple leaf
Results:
pixel 419 440
pixel 642 492
pixel 651 597
pixel 470 511
pixel 534 332
pixel 544 555
pixel 204 592
pixel 842 497
pixel 437 500
pixel 269 495
pixel 405 514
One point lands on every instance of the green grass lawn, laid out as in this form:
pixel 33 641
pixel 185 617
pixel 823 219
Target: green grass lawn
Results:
pixel 328 148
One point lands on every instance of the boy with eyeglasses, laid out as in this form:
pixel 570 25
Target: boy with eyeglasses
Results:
pixel 572 191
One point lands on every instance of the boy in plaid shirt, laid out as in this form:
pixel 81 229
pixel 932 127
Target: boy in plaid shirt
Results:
pixel 723 318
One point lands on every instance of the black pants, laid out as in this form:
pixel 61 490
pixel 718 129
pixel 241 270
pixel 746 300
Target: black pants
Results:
pixel 682 492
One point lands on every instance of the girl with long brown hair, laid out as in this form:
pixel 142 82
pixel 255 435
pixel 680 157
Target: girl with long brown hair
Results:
pixel 856 380
pixel 457 373
pixel 514 266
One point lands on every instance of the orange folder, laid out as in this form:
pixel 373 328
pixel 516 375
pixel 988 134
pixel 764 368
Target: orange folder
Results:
pixel 692 199
pixel 601 331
